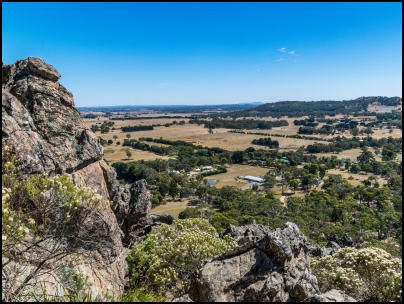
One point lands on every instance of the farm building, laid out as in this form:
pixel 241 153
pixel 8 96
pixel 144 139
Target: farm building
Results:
pixel 252 179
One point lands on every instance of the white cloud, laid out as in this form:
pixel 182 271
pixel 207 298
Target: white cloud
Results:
pixel 291 52
pixel 279 59
pixel 282 50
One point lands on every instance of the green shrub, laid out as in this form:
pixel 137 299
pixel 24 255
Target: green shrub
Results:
pixel 168 258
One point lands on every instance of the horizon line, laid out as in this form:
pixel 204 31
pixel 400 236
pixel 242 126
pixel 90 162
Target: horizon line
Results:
pixel 225 104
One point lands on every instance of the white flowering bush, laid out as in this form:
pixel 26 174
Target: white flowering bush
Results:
pixel 167 260
pixel 367 274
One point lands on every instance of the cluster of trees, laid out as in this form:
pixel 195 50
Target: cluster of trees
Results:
pixel 306 177
pixel 394 119
pixel 161 181
pixel 308 122
pixel 268 142
pixel 239 123
pixel 127 117
pixel 333 129
pixel 166 141
pixel 90 116
pixel 137 128
pixel 366 213
pixel 342 143
pixel 104 128
pixel 284 135
pixel 366 162
pixel 146 147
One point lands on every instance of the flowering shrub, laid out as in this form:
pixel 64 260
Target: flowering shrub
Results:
pixel 367 274
pixel 170 255
pixel 41 219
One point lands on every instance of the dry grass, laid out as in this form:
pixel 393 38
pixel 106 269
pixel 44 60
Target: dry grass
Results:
pixel 230 178
pixel 114 153
pixel 351 154
pixel 200 136
pixel 171 208
pixel 220 138
pixel 384 133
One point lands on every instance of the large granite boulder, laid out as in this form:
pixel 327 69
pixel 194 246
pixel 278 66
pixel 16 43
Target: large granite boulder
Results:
pixel 43 128
pixel 268 265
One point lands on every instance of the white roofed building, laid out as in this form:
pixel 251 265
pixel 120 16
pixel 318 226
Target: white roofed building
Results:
pixel 253 179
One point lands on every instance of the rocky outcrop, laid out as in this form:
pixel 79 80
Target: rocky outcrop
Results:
pixel 158 219
pixel 267 265
pixel 40 122
pixel 332 295
pixel 335 243
pixel 43 128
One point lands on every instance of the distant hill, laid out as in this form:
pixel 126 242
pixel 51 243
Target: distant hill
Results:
pixel 173 108
pixel 323 107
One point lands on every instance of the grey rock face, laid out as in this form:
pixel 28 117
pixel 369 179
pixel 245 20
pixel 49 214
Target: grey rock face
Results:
pixel 40 122
pixel 44 129
pixel 133 215
pixel 268 265
pixel 332 295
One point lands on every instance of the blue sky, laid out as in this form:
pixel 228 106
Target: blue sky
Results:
pixel 210 53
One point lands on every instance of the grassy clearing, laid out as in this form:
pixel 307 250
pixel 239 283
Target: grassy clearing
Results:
pixel 351 154
pixel 230 178
pixel 171 208
pixel 116 153
pixel 356 178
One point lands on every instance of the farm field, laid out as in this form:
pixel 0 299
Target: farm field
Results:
pixel 221 137
pixel 199 135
